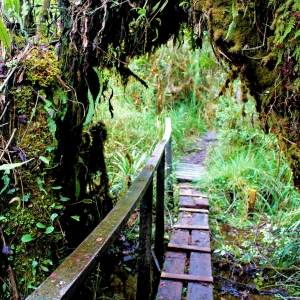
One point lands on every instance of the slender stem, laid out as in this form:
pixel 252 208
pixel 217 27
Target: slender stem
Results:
pixel 8 143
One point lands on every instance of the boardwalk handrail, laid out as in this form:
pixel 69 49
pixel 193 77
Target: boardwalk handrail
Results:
pixel 64 281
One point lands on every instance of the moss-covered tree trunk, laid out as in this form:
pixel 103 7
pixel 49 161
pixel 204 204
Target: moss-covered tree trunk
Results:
pixel 59 194
pixel 259 41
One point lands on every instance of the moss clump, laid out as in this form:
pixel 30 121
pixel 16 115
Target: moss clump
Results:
pixel 42 68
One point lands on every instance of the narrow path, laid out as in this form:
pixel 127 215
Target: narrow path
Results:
pixel 187 270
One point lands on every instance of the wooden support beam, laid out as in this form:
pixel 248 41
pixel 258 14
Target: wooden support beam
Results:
pixel 189 247
pixel 192 195
pixel 160 204
pixel 186 277
pixel 144 259
pixel 196 210
pixel 192 227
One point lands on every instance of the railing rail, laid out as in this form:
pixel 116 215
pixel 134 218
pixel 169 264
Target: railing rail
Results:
pixel 64 281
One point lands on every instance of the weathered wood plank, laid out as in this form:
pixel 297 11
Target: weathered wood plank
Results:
pixel 191 227
pixel 169 290
pixel 186 277
pixel 180 237
pixel 191 166
pixel 198 291
pixel 200 264
pixel 193 202
pixel 193 195
pixel 205 211
pixel 184 185
pixel 199 219
pixel 174 263
pixel 189 191
pixel 189 247
pixel 200 238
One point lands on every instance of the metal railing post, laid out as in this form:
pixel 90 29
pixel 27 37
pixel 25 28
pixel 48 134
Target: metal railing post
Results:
pixel 160 203
pixel 144 259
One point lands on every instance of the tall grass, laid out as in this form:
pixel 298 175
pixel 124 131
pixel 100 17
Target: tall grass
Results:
pixel 246 159
pixel 178 84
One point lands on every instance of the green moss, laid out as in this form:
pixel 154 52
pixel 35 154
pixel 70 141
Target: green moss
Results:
pixel 42 68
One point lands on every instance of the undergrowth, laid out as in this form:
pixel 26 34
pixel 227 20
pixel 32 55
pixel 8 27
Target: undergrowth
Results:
pixel 173 75
pixel 247 159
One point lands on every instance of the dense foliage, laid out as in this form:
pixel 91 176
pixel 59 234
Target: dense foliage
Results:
pixel 56 66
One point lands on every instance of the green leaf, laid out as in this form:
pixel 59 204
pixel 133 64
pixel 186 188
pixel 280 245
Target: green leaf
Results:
pixel 44 159
pixel 164 5
pixel 44 268
pixel 26 238
pixel 56 187
pixel 77 185
pixel 142 11
pixel 76 218
pixel 100 86
pixel 34 263
pixel 50 148
pixel 182 3
pixel 158 20
pixel 87 201
pixel 40 225
pixel 63 199
pixel 13 5
pixel 51 125
pixel 91 109
pixel 47 262
pixel 230 30
pixel 13 166
pixel 155 7
pixel 58 207
pixel 6 181
pixel 49 229
pixel 156 31
pixel 40 183
pixel 2 218
pixel 53 216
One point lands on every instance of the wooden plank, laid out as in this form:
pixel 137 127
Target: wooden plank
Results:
pixel 191 227
pixel 191 166
pixel 192 195
pixel 187 177
pixel 191 190
pixel 198 291
pixel 184 186
pixel 200 238
pixel 193 202
pixel 169 290
pixel 174 263
pixel 189 247
pixel 205 211
pixel 186 277
pixel 180 237
pixel 199 219
pixel 200 264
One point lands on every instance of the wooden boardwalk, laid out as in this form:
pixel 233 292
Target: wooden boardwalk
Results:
pixel 187 272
